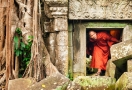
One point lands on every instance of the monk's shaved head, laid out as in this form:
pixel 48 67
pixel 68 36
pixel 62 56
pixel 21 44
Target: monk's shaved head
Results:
pixel 92 34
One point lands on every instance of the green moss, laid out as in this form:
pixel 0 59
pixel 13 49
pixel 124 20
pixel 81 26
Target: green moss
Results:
pixel 96 82
pixel 121 84
pixel 63 87
pixel 105 24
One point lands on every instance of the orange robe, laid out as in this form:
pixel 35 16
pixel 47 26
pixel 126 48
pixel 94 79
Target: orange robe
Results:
pixel 101 50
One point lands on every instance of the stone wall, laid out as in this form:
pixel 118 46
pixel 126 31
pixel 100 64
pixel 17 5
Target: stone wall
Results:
pixel 69 44
pixel 100 9
pixel 57 28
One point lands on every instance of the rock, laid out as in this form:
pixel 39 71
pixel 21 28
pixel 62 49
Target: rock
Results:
pixel 95 82
pixel 73 86
pixel 55 82
pixel 126 35
pixel 124 82
pixel 110 69
pixel 120 53
pixel 20 84
pixel 129 65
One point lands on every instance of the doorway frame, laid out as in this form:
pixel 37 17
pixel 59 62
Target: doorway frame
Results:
pixel 81 26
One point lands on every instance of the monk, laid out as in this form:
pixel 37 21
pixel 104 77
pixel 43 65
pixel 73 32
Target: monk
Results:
pixel 101 43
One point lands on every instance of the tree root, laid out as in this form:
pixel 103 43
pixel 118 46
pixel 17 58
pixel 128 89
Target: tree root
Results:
pixel 3 78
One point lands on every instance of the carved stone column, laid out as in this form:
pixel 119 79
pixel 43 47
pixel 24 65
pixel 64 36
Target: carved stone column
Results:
pixel 57 11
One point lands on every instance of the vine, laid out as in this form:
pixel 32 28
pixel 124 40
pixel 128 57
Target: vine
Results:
pixel 22 50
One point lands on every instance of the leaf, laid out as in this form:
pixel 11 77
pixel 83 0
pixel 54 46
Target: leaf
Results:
pixel 20 52
pixel 30 38
pixel 16 42
pixel 24 53
pixel 27 63
pixel 18 31
pixel 22 45
pixel 17 52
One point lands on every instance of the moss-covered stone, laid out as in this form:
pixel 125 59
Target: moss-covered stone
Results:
pixel 105 24
pixel 124 82
pixel 95 82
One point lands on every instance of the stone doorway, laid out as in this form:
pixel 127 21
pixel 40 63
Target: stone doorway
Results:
pixel 77 40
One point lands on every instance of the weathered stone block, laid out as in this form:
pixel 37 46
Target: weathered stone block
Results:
pixel 50 40
pixel 60 24
pixel 95 82
pixel 53 82
pixel 20 84
pixel 99 9
pixel 129 65
pixel 124 82
pixel 48 27
pixel 122 50
pixel 62 59
pixel 110 69
pixel 127 33
pixel 79 45
pixel 120 53
pixel 62 38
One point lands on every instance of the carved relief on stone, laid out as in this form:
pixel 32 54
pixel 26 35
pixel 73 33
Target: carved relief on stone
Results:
pixel 57 2
pixel 59 11
pixel 100 9
pixel 55 7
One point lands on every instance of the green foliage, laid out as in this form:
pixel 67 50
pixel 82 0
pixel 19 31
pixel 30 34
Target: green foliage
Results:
pixel 18 31
pixel 22 50
pixel 70 76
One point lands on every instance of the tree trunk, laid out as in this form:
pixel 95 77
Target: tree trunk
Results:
pixel 28 20
pixel 40 62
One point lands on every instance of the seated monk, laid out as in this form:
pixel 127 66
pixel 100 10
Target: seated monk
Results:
pixel 101 43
